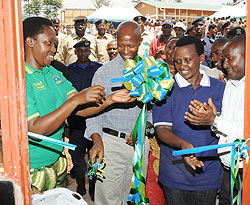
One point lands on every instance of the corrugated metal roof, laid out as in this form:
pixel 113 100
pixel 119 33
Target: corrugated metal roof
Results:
pixel 175 5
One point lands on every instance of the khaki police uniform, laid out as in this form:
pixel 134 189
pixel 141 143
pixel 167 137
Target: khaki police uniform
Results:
pixel 100 46
pixel 66 52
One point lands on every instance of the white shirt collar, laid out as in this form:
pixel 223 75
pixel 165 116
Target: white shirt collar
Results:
pixel 238 82
pixel 205 81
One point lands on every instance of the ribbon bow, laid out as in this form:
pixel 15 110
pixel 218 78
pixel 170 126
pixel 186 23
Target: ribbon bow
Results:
pixel 146 79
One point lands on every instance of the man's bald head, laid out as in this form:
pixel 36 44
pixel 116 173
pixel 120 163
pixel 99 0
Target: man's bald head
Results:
pixel 128 39
pixel 129 27
pixel 112 49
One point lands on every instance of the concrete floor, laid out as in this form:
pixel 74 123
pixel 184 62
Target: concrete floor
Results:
pixel 71 184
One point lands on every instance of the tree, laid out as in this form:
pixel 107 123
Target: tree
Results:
pixel 51 8
pixel 234 2
pixel 99 3
pixel 46 8
pixel 32 7
pixel 178 1
pixel 135 1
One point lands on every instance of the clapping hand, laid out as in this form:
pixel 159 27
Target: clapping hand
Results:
pixel 201 113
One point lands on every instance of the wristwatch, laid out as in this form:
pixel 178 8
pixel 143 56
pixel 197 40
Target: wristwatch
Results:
pixel 149 131
pixel 214 128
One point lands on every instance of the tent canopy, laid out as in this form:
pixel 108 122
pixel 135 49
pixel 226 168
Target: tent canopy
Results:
pixel 116 14
pixel 232 11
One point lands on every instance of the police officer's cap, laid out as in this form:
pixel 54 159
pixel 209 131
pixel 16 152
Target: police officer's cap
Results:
pixel 84 43
pixel 140 18
pixel 198 20
pixel 237 31
pixel 80 18
pixel 55 21
pixel 101 21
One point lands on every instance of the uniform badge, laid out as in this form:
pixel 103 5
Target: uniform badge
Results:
pixel 57 80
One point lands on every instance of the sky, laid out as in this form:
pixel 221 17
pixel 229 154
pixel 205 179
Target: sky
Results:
pixel 127 3
pixel 206 1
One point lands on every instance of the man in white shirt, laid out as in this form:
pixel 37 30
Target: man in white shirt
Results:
pixel 229 125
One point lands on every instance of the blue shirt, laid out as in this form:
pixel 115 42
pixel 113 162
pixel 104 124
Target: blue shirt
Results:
pixel 208 42
pixel 174 173
pixel 81 76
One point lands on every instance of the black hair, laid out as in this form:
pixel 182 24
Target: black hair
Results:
pixel 227 24
pixel 33 26
pixel 189 40
pixel 211 26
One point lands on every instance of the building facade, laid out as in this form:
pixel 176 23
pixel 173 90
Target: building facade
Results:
pixel 162 10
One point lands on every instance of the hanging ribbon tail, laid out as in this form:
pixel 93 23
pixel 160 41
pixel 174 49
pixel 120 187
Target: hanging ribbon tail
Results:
pixel 138 183
pixel 238 152
pixel 53 141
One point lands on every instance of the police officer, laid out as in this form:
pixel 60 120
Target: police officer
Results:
pixel 66 50
pixel 147 37
pixel 59 35
pixel 80 75
pixel 101 41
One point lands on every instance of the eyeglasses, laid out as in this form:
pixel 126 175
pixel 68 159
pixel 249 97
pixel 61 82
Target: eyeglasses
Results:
pixel 110 49
pixel 166 26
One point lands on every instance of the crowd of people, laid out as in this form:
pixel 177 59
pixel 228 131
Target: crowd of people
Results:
pixel 68 81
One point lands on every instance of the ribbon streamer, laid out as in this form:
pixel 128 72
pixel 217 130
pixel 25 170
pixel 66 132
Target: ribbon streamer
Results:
pixel 147 79
pixel 238 151
pixel 51 140
pixel 138 183
pixel 96 169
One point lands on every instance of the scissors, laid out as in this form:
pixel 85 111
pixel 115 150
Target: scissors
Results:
pixel 97 169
